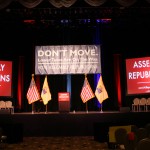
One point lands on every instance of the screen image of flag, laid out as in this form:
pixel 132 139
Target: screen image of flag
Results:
pixel 33 93
pixel 45 94
pixel 86 92
pixel 100 91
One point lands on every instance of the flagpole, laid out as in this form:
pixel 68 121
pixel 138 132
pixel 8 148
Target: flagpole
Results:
pixel 46 109
pixel 101 107
pixel 86 107
pixel 86 102
pixel 32 108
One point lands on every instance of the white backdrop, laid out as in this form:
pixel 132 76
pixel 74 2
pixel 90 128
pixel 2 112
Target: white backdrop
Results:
pixel 67 59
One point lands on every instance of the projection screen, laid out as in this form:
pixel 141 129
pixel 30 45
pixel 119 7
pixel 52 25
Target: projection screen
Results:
pixel 6 78
pixel 138 75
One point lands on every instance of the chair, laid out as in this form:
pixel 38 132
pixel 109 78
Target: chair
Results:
pixel 147 127
pixel 120 136
pixel 148 104
pixel 134 128
pixel 135 105
pixel 10 106
pixel 2 139
pixel 141 134
pixel 143 144
pixel 131 141
pixel 142 104
pixel 2 104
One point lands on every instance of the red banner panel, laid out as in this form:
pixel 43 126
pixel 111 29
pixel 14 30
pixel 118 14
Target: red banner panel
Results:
pixel 6 78
pixel 63 96
pixel 138 75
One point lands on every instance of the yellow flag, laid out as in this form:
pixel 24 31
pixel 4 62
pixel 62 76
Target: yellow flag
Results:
pixel 100 91
pixel 45 94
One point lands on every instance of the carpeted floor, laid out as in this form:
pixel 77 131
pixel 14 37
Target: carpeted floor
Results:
pixel 56 143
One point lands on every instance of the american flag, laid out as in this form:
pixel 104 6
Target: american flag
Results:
pixel 33 93
pixel 86 92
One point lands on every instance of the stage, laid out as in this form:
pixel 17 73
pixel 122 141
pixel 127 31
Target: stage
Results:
pixel 94 123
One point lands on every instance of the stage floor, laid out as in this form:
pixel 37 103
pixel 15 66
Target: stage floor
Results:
pixel 70 123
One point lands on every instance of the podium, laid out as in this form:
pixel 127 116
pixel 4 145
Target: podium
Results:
pixel 64 101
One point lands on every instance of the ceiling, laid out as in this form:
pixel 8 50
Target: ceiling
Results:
pixel 123 27
pixel 45 12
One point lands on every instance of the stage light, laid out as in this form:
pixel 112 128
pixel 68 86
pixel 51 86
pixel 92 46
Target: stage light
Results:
pixel 64 21
pixel 29 21
pixel 105 20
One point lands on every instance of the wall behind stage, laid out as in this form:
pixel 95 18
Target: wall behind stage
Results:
pixel 111 37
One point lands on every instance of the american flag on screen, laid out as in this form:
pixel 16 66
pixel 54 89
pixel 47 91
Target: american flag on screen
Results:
pixel 33 93
pixel 86 92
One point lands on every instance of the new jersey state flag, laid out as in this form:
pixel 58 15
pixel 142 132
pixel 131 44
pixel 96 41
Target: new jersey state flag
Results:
pixel 45 94
pixel 100 91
